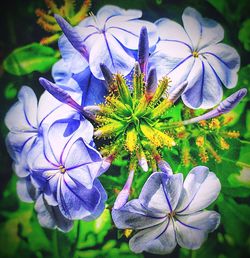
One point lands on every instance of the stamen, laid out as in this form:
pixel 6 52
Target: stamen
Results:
pixel 195 54
pixel 62 169
pixel 95 20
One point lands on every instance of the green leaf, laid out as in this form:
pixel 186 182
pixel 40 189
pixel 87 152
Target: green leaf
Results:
pixel 30 58
pixel 102 225
pixel 10 91
pixel 91 233
pixel 247 134
pixel 221 5
pixel 109 250
pixel 244 34
pixel 37 238
pixel 14 229
pixel 235 219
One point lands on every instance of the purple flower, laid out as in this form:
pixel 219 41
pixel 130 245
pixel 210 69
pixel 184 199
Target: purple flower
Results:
pixel 69 167
pixel 88 89
pixel 26 117
pixel 110 37
pixel 29 123
pixel 193 53
pixel 169 211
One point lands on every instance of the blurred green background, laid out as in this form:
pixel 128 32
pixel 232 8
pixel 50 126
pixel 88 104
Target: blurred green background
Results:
pixel 20 233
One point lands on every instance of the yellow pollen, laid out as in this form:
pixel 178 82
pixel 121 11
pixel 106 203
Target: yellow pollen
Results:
pixel 200 141
pixel 233 134
pixel 186 156
pixel 195 54
pixel 203 155
pixel 214 124
pixel 223 144
pixel 202 123
pixel 62 169
pixel 127 232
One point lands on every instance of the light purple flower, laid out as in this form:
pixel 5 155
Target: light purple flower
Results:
pixel 110 37
pixel 194 53
pixel 26 117
pixel 29 121
pixel 70 167
pixel 169 211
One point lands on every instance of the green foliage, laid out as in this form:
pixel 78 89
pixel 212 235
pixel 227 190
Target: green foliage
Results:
pixel 10 91
pixel 235 220
pixel 30 58
pixel 244 34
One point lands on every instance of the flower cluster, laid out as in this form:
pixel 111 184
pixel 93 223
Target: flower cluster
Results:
pixel 55 160
pixel 118 78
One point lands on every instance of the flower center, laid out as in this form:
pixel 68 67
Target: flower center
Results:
pixel 195 54
pixel 171 214
pixel 62 169
pixel 134 119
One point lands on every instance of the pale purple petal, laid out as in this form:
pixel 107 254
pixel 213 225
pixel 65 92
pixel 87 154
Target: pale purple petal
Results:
pixel 21 165
pixel 61 136
pixel 80 154
pixel 100 208
pixel 134 215
pixel 22 116
pixel 192 230
pixel 26 190
pixel 159 239
pixel 161 192
pixel 109 11
pixel 201 187
pixel 172 59
pixel 128 32
pixel 62 76
pixel 38 160
pixel 50 216
pixel 93 90
pixel 225 61
pixel 74 200
pixel 108 50
pixel 202 31
pixel 172 31
pixel 74 60
pixel 16 142
pixel 204 87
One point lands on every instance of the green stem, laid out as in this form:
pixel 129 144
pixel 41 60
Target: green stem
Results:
pixel 75 244
pixel 245 142
pixel 193 254
pixel 238 163
pixel 55 244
